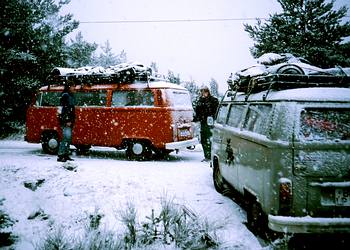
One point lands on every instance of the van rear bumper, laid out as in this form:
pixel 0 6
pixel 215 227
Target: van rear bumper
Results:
pixel 309 224
pixel 181 144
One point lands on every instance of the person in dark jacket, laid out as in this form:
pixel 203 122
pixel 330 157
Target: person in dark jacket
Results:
pixel 67 119
pixel 205 111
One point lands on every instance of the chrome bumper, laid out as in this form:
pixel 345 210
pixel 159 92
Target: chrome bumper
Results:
pixel 309 224
pixel 181 144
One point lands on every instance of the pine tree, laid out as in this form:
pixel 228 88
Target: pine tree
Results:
pixel 108 58
pixel 172 78
pixel 79 52
pixel 32 42
pixel 192 87
pixel 214 87
pixel 307 28
pixel 154 67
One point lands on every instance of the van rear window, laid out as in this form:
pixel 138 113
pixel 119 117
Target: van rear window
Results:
pixel 325 124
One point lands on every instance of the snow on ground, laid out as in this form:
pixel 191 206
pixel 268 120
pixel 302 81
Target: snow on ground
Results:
pixel 105 181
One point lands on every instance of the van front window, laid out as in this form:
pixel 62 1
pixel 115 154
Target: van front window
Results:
pixel 179 98
pixel 325 124
pixel 48 99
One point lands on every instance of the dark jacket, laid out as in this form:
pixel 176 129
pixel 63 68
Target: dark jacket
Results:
pixel 68 108
pixel 206 106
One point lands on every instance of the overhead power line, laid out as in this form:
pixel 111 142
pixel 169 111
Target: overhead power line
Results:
pixel 177 20
pixel 174 20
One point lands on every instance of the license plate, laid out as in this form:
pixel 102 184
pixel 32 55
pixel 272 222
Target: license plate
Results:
pixel 342 197
pixel 184 133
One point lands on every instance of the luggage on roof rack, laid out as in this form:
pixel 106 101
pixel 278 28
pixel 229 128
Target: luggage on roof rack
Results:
pixel 121 73
pixel 288 81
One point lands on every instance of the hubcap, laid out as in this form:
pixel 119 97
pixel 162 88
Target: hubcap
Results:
pixel 53 143
pixel 137 148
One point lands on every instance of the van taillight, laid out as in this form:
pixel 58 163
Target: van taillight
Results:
pixel 285 196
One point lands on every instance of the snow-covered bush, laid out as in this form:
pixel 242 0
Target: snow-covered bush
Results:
pixel 173 227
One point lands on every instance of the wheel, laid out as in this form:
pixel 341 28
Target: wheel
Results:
pixel 256 218
pixel 83 149
pixel 138 150
pixel 50 143
pixel 219 182
pixel 290 69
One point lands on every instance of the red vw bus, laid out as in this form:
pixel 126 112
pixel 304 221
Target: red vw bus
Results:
pixel 143 116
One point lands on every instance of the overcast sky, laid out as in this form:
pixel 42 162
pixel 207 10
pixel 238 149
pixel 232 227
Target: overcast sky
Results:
pixel 197 50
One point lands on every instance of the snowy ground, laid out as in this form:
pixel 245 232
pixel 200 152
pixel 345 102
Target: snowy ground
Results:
pixel 106 181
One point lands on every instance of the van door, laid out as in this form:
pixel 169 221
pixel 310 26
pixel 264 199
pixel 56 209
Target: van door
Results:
pixel 93 124
pixel 255 154
pixel 230 143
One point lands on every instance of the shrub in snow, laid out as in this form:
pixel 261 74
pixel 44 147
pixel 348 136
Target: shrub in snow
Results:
pixel 55 239
pixel 33 185
pixel 174 224
pixel 6 237
pixel 38 214
pixel 173 227
pixel 95 220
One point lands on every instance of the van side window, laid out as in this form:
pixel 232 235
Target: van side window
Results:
pixel 132 98
pixel 222 114
pixel 93 98
pixel 257 118
pixel 48 99
pixel 236 114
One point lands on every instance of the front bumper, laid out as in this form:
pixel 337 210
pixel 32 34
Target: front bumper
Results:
pixel 309 224
pixel 181 144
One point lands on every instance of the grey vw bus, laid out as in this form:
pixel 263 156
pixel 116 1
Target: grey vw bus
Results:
pixel 286 151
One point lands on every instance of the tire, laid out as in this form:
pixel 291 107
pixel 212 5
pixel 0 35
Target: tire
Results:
pixel 220 184
pixel 256 218
pixel 50 143
pixel 290 69
pixel 138 150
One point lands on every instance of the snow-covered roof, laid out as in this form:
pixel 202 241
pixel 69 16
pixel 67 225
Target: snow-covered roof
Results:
pixel 135 85
pixel 300 94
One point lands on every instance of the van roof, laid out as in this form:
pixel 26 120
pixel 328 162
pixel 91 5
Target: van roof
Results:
pixel 135 85
pixel 315 94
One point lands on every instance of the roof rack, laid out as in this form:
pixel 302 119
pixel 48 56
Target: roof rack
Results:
pixel 287 81
pixel 120 74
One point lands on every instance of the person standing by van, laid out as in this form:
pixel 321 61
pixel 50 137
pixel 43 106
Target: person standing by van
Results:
pixel 67 119
pixel 205 112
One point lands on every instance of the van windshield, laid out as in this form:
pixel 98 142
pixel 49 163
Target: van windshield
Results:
pixel 325 124
pixel 179 98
